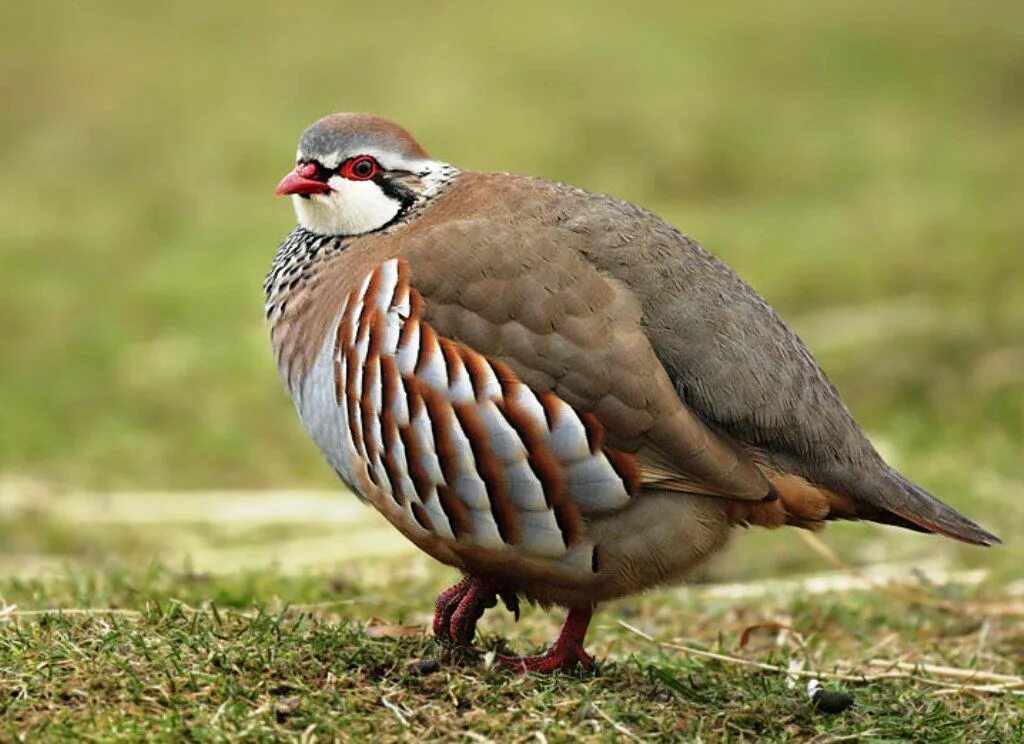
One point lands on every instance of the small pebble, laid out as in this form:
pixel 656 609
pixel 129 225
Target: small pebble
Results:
pixel 826 700
pixel 423 667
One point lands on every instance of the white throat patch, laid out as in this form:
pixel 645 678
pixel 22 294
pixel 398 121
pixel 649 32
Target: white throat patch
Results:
pixel 352 208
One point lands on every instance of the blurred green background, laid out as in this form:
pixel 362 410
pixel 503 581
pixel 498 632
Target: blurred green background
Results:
pixel 860 163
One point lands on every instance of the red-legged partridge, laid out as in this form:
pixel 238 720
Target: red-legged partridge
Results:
pixel 553 391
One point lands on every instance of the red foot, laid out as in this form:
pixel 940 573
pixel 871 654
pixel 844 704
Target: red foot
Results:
pixel 458 610
pixel 560 660
pixel 445 606
pixel 566 652
pixel 478 597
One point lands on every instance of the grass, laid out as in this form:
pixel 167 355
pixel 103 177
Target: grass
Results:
pixel 860 164
pixel 155 615
pixel 261 655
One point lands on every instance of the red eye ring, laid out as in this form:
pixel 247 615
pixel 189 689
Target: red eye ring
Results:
pixel 361 168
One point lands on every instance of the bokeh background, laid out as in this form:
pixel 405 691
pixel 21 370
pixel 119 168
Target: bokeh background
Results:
pixel 860 163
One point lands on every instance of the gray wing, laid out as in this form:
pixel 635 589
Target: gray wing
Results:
pixel 742 370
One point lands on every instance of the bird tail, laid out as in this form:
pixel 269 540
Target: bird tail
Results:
pixel 873 492
pixel 906 504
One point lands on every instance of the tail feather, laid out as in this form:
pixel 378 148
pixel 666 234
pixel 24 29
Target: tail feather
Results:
pixel 910 502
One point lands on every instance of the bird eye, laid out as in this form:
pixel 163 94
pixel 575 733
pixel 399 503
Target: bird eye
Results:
pixel 362 168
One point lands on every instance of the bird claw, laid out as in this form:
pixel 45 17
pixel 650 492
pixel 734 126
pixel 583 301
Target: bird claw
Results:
pixel 511 602
pixel 445 607
pixel 458 609
pixel 560 658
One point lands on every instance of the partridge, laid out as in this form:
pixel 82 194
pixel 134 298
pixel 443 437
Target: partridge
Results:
pixel 553 391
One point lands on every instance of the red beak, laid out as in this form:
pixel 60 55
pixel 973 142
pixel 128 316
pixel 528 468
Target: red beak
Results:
pixel 299 181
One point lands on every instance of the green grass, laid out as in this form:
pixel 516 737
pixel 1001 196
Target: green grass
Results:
pixel 261 655
pixel 132 616
pixel 859 163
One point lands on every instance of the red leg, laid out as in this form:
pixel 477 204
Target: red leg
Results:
pixel 564 654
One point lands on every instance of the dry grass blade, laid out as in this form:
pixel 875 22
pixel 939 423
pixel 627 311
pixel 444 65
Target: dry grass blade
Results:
pixel 1007 681
pixel 897 670
pixel 377 627
pixel 820 547
pixel 808 674
pixel 395 711
pixel 622 729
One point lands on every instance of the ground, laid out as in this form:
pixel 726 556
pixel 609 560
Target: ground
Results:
pixel 331 640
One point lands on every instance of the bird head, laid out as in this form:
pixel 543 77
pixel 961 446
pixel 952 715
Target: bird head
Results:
pixel 357 173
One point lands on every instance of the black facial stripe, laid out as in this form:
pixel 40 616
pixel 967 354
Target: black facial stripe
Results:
pixel 395 189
